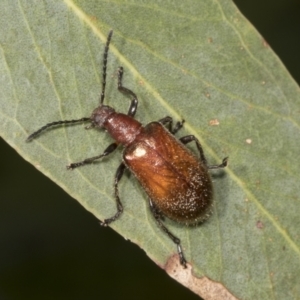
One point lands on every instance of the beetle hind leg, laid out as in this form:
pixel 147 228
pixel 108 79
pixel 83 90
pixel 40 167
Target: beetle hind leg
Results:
pixel 158 217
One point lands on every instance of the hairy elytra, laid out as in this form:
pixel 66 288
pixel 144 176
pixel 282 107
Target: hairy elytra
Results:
pixel 176 181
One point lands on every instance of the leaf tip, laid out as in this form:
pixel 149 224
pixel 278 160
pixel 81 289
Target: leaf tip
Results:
pixel 203 286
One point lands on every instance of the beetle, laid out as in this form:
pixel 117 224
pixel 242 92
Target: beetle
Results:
pixel 177 182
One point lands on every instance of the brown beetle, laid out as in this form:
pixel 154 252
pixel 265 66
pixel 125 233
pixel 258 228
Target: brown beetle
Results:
pixel 176 181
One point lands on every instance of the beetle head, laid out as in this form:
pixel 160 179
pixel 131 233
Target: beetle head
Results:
pixel 100 115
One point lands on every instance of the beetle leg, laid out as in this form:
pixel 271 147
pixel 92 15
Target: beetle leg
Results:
pixel 111 148
pixel 158 217
pixel 178 126
pixel 119 174
pixel 157 213
pixel 189 138
pixel 134 102
pixel 168 120
pixel 222 165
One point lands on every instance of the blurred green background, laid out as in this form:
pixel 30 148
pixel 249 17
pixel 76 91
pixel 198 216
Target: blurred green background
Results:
pixel 51 248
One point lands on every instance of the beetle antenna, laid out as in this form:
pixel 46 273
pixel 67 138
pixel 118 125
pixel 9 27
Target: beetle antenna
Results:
pixel 36 133
pixel 105 55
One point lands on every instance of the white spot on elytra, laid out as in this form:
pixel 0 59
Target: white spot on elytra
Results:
pixel 139 152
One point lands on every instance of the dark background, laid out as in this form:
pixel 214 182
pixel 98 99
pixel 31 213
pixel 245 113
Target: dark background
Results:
pixel 52 248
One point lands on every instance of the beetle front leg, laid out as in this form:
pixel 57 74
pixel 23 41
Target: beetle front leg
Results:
pixel 124 90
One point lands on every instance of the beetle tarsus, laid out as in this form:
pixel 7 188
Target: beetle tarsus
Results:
pixel 106 222
pixel 222 165
pixel 182 259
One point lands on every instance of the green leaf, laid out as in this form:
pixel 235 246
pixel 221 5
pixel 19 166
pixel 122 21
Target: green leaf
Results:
pixel 197 60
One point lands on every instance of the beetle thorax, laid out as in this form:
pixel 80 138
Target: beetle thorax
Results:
pixel 123 128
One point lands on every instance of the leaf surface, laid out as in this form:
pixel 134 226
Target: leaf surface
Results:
pixel 201 61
